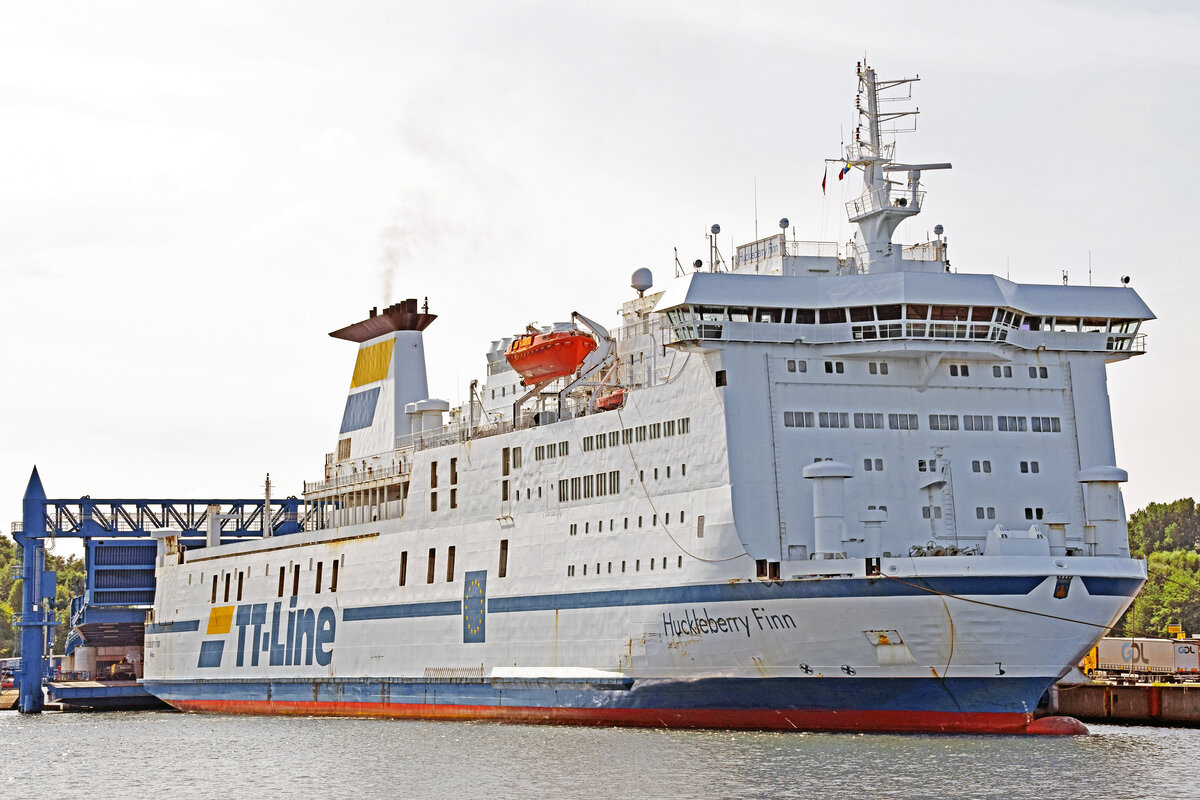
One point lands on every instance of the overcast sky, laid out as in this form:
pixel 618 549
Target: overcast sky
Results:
pixel 192 195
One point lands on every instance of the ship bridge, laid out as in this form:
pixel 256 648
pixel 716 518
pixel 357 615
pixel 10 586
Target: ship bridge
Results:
pixel 896 310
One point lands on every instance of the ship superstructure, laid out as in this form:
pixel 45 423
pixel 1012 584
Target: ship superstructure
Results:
pixel 825 487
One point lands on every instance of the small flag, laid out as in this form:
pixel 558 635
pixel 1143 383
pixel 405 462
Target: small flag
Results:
pixel 823 178
pixel 845 169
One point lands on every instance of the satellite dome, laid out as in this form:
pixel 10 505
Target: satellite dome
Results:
pixel 715 229
pixel 783 223
pixel 641 280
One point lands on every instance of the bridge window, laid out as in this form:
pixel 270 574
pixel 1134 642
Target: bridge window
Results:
pixel 830 316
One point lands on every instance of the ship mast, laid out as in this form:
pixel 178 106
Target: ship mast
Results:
pixel 885 202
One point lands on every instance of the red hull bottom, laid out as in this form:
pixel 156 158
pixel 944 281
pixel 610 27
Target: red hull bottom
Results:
pixel 739 719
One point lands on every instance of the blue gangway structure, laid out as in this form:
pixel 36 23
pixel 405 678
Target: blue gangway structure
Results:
pixel 121 539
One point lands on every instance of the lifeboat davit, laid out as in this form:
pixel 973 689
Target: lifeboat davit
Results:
pixel 546 356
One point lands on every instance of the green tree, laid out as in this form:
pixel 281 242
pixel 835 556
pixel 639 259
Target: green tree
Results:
pixel 1165 526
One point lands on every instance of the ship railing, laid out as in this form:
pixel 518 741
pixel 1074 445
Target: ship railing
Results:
pixel 1127 344
pixel 885 197
pixel 777 245
pixel 643 327
pixel 813 249
pixel 371 473
pixel 925 251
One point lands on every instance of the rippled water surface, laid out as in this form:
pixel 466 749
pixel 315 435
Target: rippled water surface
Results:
pixel 161 754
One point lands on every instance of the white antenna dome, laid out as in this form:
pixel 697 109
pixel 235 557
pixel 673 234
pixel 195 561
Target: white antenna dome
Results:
pixel 641 280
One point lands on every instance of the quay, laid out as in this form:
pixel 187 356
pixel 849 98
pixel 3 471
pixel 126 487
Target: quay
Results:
pixel 1137 704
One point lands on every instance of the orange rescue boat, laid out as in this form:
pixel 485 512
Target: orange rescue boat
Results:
pixel 546 356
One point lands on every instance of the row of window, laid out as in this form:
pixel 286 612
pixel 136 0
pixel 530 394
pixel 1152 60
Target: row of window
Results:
pixel 431 564
pixel 981 512
pixel 640 433
pixel 612 524
pixel 911 311
pixel 637 566
pixel 908 422
pixel 585 486
pixel 234 580
pixel 552 450
pixel 881 368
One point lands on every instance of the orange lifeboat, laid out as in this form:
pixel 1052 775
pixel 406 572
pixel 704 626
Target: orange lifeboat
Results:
pixel 611 400
pixel 546 356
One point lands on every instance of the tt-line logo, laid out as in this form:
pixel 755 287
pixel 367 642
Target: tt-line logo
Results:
pixel 304 637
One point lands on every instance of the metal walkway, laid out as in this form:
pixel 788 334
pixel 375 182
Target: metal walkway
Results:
pixel 120 551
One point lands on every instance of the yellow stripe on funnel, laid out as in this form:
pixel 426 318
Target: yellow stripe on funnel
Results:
pixel 373 363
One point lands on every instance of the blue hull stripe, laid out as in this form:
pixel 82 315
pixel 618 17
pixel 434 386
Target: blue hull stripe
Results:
pixel 181 626
pixel 954 695
pixel 1111 587
pixel 402 610
pixel 713 593
pixel 763 590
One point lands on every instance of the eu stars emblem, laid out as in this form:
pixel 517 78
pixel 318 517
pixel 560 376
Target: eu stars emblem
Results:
pixel 474 606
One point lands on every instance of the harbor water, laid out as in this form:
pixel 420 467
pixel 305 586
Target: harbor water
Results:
pixel 163 754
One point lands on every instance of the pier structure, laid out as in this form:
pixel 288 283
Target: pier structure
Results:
pixel 122 540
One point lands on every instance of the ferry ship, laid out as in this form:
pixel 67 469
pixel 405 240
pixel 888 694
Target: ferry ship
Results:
pixel 822 487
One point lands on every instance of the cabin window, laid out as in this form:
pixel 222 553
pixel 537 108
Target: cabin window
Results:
pixel 432 566
pixel 333 577
pixel 239 589
pixel 282 574
pixel 320 564
pixel 1010 424
pixel 450 564
pixel 432 474
pixel 433 501
pixel 502 569
pixel 721 381
pixel 453 471
pixel 833 419
pixel 214 589
pixel 976 422
pixel 943 422
pixel 454 497
pixel 228 576
pixel 403 567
